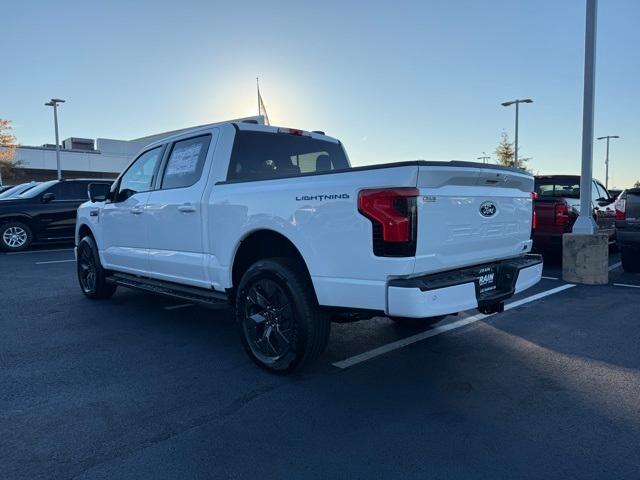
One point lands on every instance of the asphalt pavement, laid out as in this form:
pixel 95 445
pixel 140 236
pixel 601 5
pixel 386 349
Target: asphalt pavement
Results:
pixel 141 386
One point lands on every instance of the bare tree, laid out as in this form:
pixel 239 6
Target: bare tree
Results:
pixel 637 184
pixel 8 162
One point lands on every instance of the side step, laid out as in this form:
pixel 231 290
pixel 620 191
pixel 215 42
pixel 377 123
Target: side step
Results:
pixel 184 292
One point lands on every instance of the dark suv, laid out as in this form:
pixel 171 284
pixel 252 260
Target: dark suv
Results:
pixel 628 229
pixel 44 213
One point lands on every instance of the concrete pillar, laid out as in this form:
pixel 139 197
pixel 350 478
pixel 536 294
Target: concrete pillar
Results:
pixel 585 258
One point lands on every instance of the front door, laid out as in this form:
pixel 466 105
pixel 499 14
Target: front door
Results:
pixel 175 212
pixel 124 219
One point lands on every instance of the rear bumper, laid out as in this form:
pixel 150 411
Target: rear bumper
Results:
pixel 458 290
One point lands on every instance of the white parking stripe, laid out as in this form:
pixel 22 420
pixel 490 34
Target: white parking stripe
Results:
pixel 376 352
pixel 175 307
pixel 549 278
pixel 626 285
pixel 615 265
pixel 56 261
pixel 40 251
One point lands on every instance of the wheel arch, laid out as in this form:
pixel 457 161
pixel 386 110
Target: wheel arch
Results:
pixel 260 244
pixel 83 231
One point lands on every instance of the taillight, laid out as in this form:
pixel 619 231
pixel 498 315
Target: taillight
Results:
pixel 393 214
pixel 561 214
pixel 534 216
pixel 621 207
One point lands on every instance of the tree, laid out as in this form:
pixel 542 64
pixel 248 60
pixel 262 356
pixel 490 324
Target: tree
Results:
pixel 637 184
pixel 505 153
pixel 8 162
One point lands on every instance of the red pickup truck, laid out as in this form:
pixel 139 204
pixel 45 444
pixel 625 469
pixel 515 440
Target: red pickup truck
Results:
pixel 557 205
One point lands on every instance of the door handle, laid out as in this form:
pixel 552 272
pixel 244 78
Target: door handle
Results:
pixel 136 210
pixel 186 208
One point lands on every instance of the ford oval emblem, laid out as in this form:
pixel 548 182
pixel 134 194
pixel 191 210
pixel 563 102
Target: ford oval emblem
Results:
pixel 488 209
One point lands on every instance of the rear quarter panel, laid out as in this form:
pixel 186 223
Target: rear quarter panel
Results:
pixel 334 239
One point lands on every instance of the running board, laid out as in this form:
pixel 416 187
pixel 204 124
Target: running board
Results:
pixel 184 292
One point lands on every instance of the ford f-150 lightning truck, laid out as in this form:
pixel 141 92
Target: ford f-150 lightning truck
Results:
pixel 276 222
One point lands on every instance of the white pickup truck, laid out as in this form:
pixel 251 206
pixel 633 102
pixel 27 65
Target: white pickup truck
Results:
pixel 276 222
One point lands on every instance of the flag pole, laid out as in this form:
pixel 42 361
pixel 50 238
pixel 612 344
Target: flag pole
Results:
pixel 258 89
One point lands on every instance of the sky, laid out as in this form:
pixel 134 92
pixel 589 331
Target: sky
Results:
pixel 394 80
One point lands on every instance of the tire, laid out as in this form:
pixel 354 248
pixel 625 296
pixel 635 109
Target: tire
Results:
pixel 416 323
pixel 91 275
pixel 15 236
pixel 630 258
pixel 280 324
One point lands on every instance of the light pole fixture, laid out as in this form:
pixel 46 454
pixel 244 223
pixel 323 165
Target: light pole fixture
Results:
pixel 484 157
pixel 517 102
pixel 54 103
pixel 606 162
pixel 585 224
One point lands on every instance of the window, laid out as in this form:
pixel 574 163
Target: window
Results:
pixel 558 187
pixel 70 190
pixel 602 192
pixel 185 163
pixel 139 177
pixel 261 156
pixel 595 192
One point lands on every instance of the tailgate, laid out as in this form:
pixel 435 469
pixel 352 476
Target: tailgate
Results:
pixel 470 215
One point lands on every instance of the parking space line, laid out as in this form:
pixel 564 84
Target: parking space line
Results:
pixel 626 285
pixel 40 251
pixel 549 278
pixel 615 265
pixel 389 347
pixel 175 307
pixel 55 261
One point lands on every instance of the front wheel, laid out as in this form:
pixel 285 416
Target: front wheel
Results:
pixel 630 258
pixel 15 236
pixel 91 275
pixel 281 326
pixel 416 323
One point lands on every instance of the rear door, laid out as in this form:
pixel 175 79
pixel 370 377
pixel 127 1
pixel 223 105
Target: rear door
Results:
pixel 471 215
pixel 176 216
pixel 58 216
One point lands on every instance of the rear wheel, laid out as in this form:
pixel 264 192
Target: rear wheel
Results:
pixel 91 275
pixel 280 324
pixel 416 323
pixel 630 258
pixel 15 236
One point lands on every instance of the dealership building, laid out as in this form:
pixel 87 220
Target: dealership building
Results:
pixel 82 157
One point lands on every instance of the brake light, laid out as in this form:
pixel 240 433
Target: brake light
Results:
pixel 534 215
pixel 293 131
pixel 392 212
pixel 621 207
pixel 561 214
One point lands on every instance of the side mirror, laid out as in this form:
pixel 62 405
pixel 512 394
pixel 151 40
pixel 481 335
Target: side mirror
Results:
pixel 99 192
pixel 47 197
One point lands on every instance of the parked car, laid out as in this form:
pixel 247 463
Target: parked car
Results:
pixel 277 222
pixel 16 190
pixel 628 229
pixel 557 206
pixel 4 188
pixel 45 212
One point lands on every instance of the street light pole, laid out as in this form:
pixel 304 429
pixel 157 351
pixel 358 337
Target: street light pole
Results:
pixel 517 103
pixel 484 157
pixel 585 224
pixel 54 103
pixel 606 161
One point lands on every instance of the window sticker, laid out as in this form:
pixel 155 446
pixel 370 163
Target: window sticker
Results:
pixel 184 160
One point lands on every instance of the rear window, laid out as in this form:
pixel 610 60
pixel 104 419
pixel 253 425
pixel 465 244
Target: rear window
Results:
pixel 558 187
pixel 262 156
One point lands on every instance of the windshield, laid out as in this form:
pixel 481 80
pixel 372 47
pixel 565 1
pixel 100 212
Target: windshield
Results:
pixel 17 190
pixel 37 189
